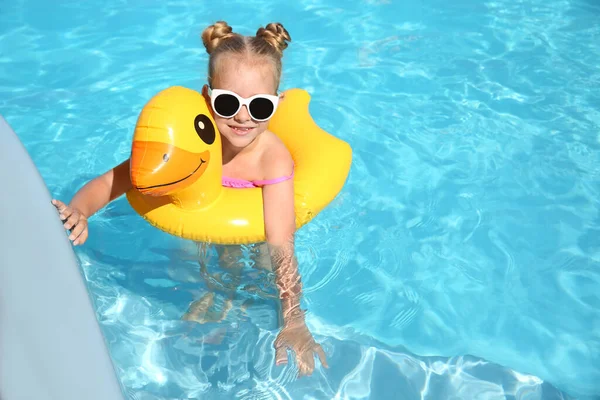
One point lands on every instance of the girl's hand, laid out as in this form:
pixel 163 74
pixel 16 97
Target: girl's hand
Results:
pixel 74 220
pixel 296 336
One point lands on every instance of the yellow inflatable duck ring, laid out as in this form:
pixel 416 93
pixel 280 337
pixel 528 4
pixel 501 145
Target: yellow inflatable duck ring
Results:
pixel 176 169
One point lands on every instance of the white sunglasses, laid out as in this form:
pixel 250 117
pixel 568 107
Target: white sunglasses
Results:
pixel 226 104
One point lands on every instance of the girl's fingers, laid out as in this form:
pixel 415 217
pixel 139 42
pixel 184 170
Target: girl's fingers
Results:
pixel 82 238
pixel 70 220
pixel 77 230
pixel 66 213
pixel 306 363
pixel 321 354
pixel 60 206
pixel 281 357
pixel 73 221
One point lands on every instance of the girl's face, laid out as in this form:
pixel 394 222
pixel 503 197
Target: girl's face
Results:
pixel 246 80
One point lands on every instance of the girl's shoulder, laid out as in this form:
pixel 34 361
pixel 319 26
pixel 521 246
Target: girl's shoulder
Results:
pixel 275 158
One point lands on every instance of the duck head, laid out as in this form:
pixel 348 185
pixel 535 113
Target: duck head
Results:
pixel 176 149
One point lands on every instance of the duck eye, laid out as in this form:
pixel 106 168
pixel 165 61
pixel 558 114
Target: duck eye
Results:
pixel 204 129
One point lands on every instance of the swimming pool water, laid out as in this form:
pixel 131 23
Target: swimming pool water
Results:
pixel 462 258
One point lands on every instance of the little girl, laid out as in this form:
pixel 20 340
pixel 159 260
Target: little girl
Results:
pixel 239 67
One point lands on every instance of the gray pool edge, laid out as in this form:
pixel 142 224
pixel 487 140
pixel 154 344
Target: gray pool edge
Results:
pixel 51 345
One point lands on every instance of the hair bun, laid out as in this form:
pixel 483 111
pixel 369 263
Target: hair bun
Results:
pixel 276 35
pixel 215 34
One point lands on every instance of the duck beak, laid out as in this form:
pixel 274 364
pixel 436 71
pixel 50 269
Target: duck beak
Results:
pixel 159 169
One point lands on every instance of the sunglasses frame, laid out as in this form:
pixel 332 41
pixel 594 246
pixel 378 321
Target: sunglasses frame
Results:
pixel 214 93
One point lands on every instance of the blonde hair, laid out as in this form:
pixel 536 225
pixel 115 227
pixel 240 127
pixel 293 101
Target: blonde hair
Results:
pixel 268 44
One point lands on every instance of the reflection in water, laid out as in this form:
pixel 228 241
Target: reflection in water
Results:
pixel 221 267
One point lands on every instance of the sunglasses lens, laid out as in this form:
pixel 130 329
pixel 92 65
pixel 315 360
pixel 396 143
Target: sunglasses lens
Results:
pixel 226 105
pixel 261 108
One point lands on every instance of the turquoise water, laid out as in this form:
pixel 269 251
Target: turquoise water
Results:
pixel 462 258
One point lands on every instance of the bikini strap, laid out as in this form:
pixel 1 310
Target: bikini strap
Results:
pixel 273 181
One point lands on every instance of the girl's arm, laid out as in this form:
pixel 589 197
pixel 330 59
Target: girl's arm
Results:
pixel 103 189
pixel 280 226
pixel 90 198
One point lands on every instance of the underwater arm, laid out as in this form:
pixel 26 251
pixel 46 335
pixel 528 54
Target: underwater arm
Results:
pixel 280 227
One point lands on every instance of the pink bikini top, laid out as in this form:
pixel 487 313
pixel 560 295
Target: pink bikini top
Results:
pixel 244 184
